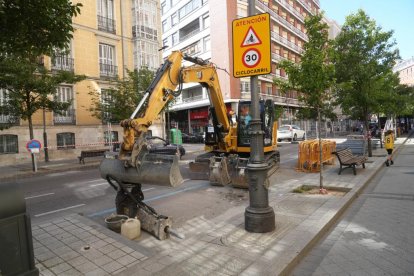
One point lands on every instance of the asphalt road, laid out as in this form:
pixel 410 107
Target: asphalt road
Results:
pixel 59 194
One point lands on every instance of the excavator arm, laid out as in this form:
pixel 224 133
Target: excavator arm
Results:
pixel 135 164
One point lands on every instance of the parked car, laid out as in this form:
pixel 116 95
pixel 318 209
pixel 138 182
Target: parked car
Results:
pixel 290 132
pixel 193 138
pixel 162 146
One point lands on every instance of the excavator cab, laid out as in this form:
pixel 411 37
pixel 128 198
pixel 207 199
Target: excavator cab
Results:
pixel 244 126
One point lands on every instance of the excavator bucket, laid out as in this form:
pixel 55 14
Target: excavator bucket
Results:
pixel 237 168
pixel 219 174
pixel 156 169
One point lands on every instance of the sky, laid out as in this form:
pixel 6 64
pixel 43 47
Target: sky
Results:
pixel 396 15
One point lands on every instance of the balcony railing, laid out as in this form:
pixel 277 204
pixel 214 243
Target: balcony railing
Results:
pixel 193 99
pixel 317 3
pixel 306 6
pixel 67 118
pixel 188 35
pixel 291 9
pixel 286 42
pixel 108 70
pixel 9 120
pixel 277 57
pixel 281 20
pixel 106 24
pixel 64 63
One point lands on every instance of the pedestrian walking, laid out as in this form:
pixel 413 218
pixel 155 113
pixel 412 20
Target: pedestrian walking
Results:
pixel 389 146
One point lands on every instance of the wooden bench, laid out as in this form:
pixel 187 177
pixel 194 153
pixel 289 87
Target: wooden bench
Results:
pixel 347 159
pixel 90 153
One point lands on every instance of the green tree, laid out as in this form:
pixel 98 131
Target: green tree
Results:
pixel 31 87
pixel 119 102
pixel 31 28
pixel 364 56
pixel 313 77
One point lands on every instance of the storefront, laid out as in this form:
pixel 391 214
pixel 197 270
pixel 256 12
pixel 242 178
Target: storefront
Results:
pixel 192 121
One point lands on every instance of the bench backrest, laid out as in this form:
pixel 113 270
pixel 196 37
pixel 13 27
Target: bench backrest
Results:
pixel 344 154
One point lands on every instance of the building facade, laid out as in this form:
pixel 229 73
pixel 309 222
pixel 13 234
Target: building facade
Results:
pixel 202 28
pixel 110 37
pixel 405 69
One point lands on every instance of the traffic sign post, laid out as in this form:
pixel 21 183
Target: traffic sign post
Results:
pixel 251 57
pixel 251 46
pixel 34 146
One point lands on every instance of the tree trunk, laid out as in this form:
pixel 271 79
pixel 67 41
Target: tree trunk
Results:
pixel 368 136
pixel 320 150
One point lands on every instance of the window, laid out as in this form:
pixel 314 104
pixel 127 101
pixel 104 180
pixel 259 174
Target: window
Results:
pixel 207 44
pixel 107 60
pixel 65 95
pixel 106 20
pixel 62 60
pixel 106 8
pixel 174 39
pixel 165 42
pixel 106 100
pixel 174 19
pixel 9 144
pixel 206 21
pixel 65 140
pixel 164 25
pixel 192 49
pixel 269 90
pixel 245 86
pixel 163 7
pixel 189 7
pixel 111 139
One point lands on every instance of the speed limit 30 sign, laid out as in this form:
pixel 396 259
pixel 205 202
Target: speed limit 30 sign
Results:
pixel 251 58
pixel 251 46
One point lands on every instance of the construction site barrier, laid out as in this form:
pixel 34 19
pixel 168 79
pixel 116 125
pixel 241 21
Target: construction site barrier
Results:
pixel 308 155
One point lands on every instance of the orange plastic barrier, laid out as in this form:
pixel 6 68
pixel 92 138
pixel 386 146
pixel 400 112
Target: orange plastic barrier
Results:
pixel 308 155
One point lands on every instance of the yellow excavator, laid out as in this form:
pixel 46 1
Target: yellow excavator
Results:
pixel 227 143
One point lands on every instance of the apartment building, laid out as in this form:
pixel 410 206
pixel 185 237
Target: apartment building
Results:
pixel 202 28
pixel 110 37
pixel 405 69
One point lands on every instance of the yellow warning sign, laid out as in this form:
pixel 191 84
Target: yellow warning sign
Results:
pixel 251 46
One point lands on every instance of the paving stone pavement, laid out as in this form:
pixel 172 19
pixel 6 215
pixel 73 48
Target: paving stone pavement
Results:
pixel 375 236
pixel 75 245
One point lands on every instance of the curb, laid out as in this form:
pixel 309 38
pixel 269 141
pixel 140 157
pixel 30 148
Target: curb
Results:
pixel 45 171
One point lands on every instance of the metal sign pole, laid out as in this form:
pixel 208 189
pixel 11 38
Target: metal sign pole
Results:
pixel 259 216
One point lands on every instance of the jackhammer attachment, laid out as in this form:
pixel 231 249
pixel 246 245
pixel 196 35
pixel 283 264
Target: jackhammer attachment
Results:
pixel 156 169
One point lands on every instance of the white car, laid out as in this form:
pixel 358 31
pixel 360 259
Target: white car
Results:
pixel 290 132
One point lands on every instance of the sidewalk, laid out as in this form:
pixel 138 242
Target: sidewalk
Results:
pixel 76 245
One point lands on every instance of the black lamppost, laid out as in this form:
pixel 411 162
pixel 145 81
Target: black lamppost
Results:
pixel 259 216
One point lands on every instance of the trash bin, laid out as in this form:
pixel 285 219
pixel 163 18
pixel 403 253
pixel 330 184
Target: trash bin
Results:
pixel 16 254
pixel 176 136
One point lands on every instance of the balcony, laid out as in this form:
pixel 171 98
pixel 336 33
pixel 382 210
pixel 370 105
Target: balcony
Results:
pixel 108 70
pixel 277 58
pixel 281 20
pixel 278 38
pixel 291 9
pixel 317 3
pixel 9 120
pixel 306 6
pixel 106 24
pixel 193 99
pixel 188 35
pixel 63 63
pixel 67 118
pixel 144 32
